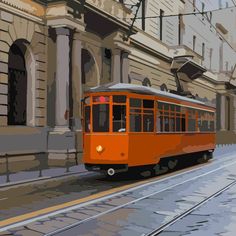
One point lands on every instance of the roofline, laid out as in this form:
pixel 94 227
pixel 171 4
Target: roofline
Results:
pixel 158 93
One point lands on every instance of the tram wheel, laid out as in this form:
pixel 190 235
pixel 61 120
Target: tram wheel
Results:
pixel 160 169
pixel 172 164
pixel 204 158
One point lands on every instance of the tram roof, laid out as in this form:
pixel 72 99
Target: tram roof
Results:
pixel 133 88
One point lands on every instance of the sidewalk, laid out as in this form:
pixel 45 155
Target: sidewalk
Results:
pixel 40 167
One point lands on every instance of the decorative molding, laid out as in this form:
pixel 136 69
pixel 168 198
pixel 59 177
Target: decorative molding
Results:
pixel 17 11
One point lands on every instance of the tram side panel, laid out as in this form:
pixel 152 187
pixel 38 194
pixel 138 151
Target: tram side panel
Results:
pixel 147 149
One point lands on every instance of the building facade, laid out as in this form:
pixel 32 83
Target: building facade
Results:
pixel 52 51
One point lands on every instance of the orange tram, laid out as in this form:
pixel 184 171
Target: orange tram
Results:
pixel 126 125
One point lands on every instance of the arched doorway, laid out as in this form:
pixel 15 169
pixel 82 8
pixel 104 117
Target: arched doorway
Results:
pixel 17 85
pixel 88 70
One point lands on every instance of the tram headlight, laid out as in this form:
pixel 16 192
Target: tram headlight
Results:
pixel 99 148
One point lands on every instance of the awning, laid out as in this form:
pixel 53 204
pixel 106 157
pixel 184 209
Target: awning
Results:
pixel 186 65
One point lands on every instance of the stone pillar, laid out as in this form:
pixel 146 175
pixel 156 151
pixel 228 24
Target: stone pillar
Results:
pixel 62 79
pixel 77 91
pixel 234 114
pixel 62 140
pixel 222 113
pixel 116 65
pixel 125 67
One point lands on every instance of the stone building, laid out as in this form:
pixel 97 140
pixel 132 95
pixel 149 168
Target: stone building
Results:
pixel 203 42
pixel 51 51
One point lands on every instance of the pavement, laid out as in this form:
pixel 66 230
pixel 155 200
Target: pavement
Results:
pixel 195 201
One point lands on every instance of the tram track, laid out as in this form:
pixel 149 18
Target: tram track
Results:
pixel 179 217
pixel 130 188
pixel 164 226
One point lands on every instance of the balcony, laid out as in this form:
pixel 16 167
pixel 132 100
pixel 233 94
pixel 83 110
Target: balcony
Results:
pixel 183 50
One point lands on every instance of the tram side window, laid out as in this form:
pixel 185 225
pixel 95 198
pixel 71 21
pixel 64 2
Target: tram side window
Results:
pixel 178 123
pixel 183 123
pixel 135 122
pixel 135 115
pixel 178 119
pixel 119 118
pixel 191 120
pixel 148 122
pixel 87 119
pixel 183 119
pixel 119 99
pixel 135 102
pixel 212 121
pixel 148 115
pixel 206 121
pixel 101 118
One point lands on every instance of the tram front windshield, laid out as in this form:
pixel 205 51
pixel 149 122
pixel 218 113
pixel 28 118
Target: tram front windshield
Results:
pixel 100 117
pixel 102 107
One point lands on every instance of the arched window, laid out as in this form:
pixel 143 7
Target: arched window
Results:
pixel 17 85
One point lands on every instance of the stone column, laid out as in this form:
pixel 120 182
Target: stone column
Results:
pixel 222 113
pixel 62 79
pixel 116 65
pixel 234 114
pixel 76 80
pixel 125 67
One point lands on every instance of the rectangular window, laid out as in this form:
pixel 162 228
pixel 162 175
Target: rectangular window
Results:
pixel 148 104
pixel 183 123
pixel 158 122
pixel 172 124
pixel 191 120
pixel 135 102
pixel 178 124
pixel 101 118
pixel 194 42
pixel 119 118
pixel 203 51
pixel 87 125
pixel 148 123
pixel 166 124
pixel 119 99
pixel 135 122
pixel 206 121
pixel 143 14
pixel 161 23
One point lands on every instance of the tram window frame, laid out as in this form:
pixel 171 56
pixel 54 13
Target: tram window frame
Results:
pixel 141 115
pixel 170 118
pixel 119 101
pixel 191 123
pixel 87 119
pixel 206 121
pixel 97 119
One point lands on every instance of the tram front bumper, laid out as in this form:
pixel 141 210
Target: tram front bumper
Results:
pixel 104 167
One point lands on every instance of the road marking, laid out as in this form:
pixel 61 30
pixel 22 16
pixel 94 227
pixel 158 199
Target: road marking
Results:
pixel 75 204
